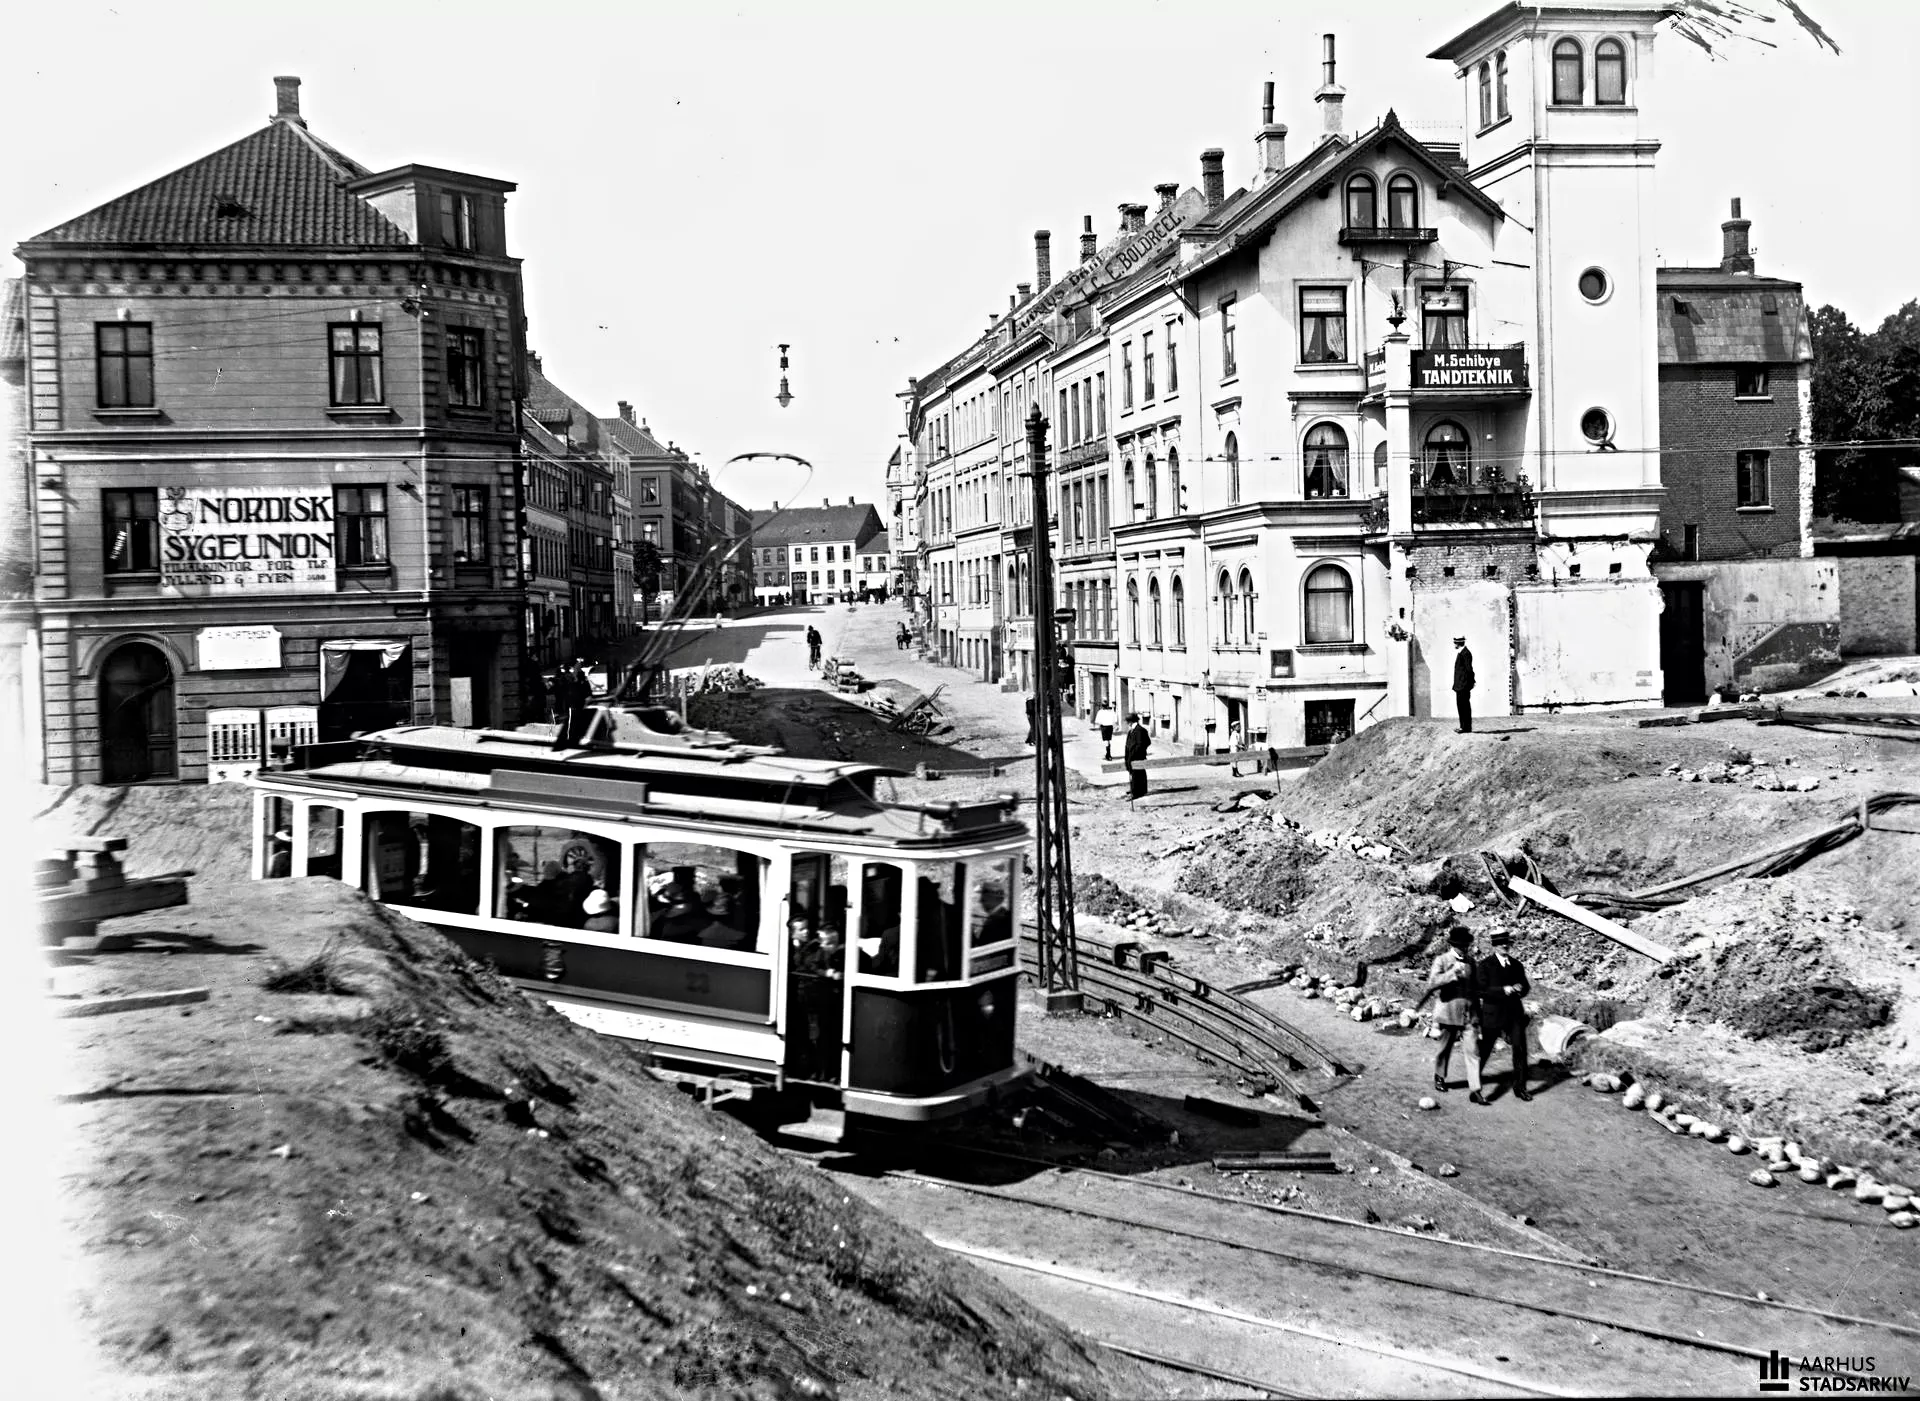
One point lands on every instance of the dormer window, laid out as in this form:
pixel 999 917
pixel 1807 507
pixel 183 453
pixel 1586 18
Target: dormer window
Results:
pixel 1610 73
pixel 1361 206
pixel 456 219
pixel 1567 66
pixel 1403 203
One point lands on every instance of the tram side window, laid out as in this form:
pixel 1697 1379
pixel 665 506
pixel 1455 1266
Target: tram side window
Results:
pixel 424 859
pixel 277 827
pixel 326 829
pixel 706 895
pixel 937 921
pixel 817 913
pixel 990 912
pixel 557 876
pixel 880 905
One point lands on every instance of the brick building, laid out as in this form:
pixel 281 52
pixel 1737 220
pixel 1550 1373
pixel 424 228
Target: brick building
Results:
pixel 272 455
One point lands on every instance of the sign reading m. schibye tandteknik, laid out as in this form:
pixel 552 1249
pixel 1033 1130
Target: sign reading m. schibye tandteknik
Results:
pixel 1502 367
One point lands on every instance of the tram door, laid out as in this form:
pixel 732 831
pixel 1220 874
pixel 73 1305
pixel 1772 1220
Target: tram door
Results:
pixel 816 968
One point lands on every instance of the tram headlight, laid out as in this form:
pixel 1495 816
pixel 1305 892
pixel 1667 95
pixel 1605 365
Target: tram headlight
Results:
pixel 986 1003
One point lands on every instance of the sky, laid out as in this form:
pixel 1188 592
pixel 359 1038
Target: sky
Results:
pixel 698 184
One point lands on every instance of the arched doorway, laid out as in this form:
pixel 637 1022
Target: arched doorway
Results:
pixel 137 733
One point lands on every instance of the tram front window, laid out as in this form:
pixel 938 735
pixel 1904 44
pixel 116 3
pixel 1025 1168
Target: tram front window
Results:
pixel 277 828
pixel 937 921
pixel 817 903
pixel 557 876
pixel 325 830
pixel 692 893
pixel 880 904
pixel 424 859
pixel 990 913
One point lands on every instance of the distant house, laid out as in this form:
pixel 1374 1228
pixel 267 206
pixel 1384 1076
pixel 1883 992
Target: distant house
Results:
pixel 877 577
pixel 811 553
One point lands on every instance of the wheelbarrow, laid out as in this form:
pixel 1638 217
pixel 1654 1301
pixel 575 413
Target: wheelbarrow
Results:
pixel 920 717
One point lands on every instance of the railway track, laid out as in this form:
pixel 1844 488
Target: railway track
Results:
pixel 1216 1026
pixel 1266 1296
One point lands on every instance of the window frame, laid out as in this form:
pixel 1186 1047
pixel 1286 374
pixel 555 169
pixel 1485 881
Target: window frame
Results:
pixel 124 358
pixel 1126 376
pixel 1317 439
pixel 1402 183
pixel 1322 321
pixel 1155 620
pixel 112 522
pixel 359 357
pixel 1501 110
pixel 1486 95
pixel 1147 394
pixel 1751 465
pixel 1568 50
pixel 361 538
pixel 1609 51
pixel 1308 624
pixel 1232 450
pixel 1229 355
pixel 457 219
pixel 1751 382
pixel 1361 183
pixel 1247 598
pixel 1133 611
pixel 1173 361
pixel 469 519
pixel 466 360
pixel 1428 453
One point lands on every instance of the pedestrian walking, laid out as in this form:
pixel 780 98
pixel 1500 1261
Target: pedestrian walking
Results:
pixel 1106 719
pixel 1453 981
pixel 814 643
pixel 900 637
pixel 1136 754
pixel 1463 683
pixel 1032 723
pixel 1503 983
pixel 534 708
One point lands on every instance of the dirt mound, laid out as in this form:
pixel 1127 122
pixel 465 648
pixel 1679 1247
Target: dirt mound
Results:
pixel 168 827
pixel 1251 866
pixel 1098 895
pixel 410 1179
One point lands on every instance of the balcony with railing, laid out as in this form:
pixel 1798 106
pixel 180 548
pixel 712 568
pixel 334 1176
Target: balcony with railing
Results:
pixel 1387 233
pixel 1446 495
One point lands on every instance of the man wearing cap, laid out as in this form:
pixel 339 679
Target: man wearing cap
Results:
pixel 1463 683
pixel 1135 753
pixel 1452 980
pixel 1503 983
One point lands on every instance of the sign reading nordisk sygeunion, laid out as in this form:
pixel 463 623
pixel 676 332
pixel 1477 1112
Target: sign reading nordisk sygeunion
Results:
pixel 1500 367
pixel 233 540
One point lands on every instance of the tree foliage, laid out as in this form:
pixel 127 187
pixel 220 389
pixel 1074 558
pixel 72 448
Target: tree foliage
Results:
pixel 1866 402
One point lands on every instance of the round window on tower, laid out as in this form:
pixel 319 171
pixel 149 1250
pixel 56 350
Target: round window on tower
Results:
pixel 1595 285
pixel 1597 425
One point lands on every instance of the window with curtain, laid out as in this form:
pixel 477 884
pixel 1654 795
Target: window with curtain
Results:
pixel 1567 64
pixel 1153 612
pixel 1361 202
pixel 1233 469
pixel 1486 95
pixel 1443 317
pixel 1246 607
pixel 1323 325
pixel 1329 616
pixel 1326 461
pixel 1380 467
pixel 1179 612
pixel 1447 455
pixel 1152 474
pixel 1133 612
pixel 1403 202
pixel 1226 609
pixel 1610 73
pixel 1174 503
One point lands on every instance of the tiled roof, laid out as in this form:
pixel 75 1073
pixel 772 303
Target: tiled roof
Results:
pixel 881 544
pixel 634 439
pixel 802 525
pixel 1726 322
pixel 559 412
pixel 287 182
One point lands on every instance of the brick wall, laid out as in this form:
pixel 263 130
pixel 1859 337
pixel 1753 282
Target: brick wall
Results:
pixel 1702 426
pixel 1879 612
pixel 1510 560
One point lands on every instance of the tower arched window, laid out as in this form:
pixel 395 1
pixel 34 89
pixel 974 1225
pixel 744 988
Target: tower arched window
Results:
pixel 1500 87
pixel 1403 203
pixel 1567 65
pixel 1246 607
pixel 1447 455
pixel 1179 612
pixel 1154 634
pixel 1326 461
pixel 1361 203
pixel 1329 611
pixel 1486 95
pixel 1152 475
pixel 1175 505
pixel 1610 73
pixel 1233 469
pixel 1133 612
pixel 1226 609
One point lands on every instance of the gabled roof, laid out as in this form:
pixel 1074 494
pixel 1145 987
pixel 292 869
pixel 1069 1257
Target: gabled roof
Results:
pixel 816 525
pixel 559 412
pixel 1258 215
pixel 881 544
pixel 281 186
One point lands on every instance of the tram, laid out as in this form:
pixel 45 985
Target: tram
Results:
pixel 751 917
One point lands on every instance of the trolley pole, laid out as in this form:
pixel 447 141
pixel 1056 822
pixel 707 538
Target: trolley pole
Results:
pixel 1053 839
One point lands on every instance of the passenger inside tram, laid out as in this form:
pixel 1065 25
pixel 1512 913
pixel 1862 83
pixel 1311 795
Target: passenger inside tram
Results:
pixel 880 921
pixel 938 920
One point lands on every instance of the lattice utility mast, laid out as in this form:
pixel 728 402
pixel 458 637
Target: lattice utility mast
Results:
pixel 1053 838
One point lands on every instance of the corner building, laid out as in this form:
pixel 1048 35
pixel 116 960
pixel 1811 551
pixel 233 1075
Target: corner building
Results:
pixel 272 453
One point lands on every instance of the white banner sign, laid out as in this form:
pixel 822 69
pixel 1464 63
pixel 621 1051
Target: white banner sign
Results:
pixel 233 540
pixel 239 649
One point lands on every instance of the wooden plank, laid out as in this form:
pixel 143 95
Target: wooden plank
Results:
pixel 131 1002
pixel 1599 924
pixel 1275 1162
pixel 71 906
pixel 1242 756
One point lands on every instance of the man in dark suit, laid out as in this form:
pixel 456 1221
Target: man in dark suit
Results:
pixel 1463 683
pixel 1503 983
pixel 1137 741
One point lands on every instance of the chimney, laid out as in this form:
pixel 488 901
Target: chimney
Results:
pixel 1333 97
pixel 1213 176
pixel 850 501
pixel 1089 240
pixel 1042 258
pixel 1026 290
pixel 1168 192
pixel 1133 218
pixel 286 101
pixel 626 411
pixel 826 501
pixel 1270 145
pixel 1734 256
pixel 533 361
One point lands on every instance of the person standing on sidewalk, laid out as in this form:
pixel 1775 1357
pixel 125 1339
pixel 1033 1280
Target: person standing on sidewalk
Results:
pixel 1105 719
pixel 1503 983
pixel 1463 683
pixel 1136 754
pixel 814 644
pixel 1452 980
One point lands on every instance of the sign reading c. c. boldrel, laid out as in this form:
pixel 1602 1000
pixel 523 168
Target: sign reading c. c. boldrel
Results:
pixel 238 540
pixel 1502 367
